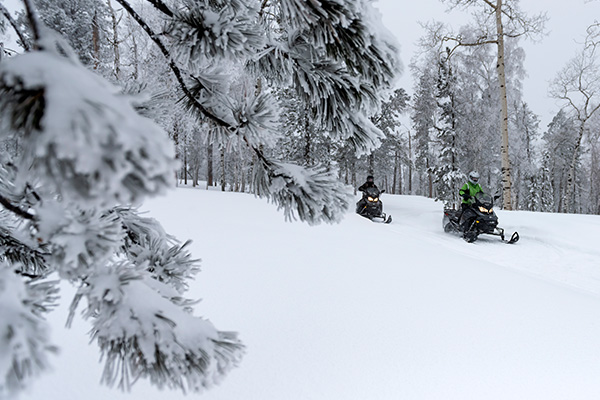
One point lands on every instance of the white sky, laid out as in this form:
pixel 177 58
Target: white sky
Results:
pixel 568 20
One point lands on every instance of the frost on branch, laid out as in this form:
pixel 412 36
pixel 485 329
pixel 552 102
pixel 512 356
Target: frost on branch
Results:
pixel 204 30
pixel 148 244
pixel 26 257
pixel 315 194
pixel 144 332
pixel 82 240
pixel 349 31
pixel 339 61
pixel 62 110
pixel 251 118
pixel 24 334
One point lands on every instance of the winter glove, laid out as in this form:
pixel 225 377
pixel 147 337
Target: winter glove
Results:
pixel 466 196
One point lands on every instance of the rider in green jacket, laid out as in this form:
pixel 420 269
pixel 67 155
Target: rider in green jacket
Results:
pixel 470 189
pixel 468 192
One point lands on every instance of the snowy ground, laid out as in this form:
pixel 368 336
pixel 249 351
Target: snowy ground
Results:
pixel 375 312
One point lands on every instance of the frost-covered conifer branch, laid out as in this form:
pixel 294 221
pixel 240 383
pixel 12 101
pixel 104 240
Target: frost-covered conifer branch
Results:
pixel 314 195
pixel 336 99
pixel 143 333
pixel 172 65
pixel 341 29
pixel 200 31
pixel 28 261
pixel 58 111
pixel 148 244
pixel 93 114
pixel 25 340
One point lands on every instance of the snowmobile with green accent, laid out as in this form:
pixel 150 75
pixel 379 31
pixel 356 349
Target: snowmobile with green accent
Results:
pixel 478 219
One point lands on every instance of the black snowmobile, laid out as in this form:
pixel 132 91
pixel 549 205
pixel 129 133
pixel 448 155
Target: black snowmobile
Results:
pixel 371 207
pixel 482 219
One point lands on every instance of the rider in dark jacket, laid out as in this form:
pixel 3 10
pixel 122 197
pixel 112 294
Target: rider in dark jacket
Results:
pixel 368 184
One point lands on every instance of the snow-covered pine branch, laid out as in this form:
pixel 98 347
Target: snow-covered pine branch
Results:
pixel 145 330
pixel 225 29
pixel 338 61
pixel 82 150
pixel 148 244
pixel 312 194
pixel 84 156
pixel 25 343
pixel 63 110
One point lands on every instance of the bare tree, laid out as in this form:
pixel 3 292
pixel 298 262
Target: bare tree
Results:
pixel 577 84
pixel 495 21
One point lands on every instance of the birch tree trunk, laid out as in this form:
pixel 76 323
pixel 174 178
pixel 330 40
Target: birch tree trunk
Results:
pixel 506 170
pixel 115 41
pixel 410 164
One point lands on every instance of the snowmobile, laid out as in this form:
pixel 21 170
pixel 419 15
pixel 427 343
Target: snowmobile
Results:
pixel 371 207
pixel 483 220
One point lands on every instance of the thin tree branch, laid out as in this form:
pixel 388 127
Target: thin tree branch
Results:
pixel 489 3
pixel 13 23
pixel 161 7
pixel 459 43
pixel 34 22
pixel 27 275
pixel 11 207
pixel 263 6
pixel 174 68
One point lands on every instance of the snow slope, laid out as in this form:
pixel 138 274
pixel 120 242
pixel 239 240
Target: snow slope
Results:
pixel 375 312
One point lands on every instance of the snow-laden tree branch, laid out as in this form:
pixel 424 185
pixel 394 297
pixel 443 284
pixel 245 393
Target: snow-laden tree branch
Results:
pixel 85 154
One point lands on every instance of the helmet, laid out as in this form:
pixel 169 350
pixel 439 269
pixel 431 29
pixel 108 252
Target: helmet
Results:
pixel 473 177
pixel 370 178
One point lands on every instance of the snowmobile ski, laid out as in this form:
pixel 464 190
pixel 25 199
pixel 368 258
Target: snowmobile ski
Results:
pixel 514 238
pixel 382 219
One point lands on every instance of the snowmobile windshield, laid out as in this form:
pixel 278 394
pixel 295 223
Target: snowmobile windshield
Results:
pixel 371 191
pixel 484 199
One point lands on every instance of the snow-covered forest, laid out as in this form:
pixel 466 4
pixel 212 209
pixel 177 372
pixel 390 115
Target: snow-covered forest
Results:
pixel 107 103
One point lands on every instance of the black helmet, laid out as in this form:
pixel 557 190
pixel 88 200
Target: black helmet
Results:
pixel 473 176
pixel 370 178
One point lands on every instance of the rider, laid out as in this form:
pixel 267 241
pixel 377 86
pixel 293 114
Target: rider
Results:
pixel 468 192
pixel 368 184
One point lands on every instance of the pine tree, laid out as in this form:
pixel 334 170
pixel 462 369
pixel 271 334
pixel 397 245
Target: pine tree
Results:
pixel 386 159
pixel 424 120
pixel 559 142
pixel 446 171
